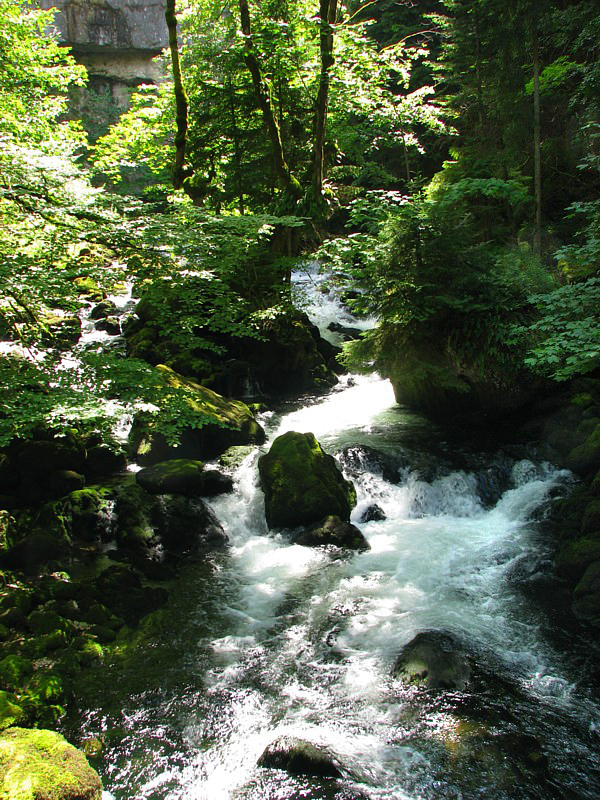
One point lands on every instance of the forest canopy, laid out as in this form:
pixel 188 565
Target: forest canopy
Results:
pixel 444 155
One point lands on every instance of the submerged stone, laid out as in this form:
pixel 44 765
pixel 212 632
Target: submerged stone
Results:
pixel 299 757
pixel 433 658
pixel 42 765
pixel 302 483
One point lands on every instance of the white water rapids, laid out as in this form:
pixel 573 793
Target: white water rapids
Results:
pixel 307 637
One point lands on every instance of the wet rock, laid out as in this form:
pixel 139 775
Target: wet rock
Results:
pixel 122 588
pixel 434 659
pixel 38 458
pixel 61 331
pixel 373 513
pixel 223 423
pixel 42 765
pixel 302 483
pixel 102 310
pixel 357 459
pixel 348 334
pixel 333 531
pixel 63 481
pixel 35 549
pixel 110 325
pixel 585 458
pixel 102 460
pixel 586 596
pixel 300 757
pixel 183 476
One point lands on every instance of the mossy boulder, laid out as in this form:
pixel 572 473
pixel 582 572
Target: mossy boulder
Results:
pixel 585 458
pixel 103 460
pixel 61 331
pixel 586 597
pixel 433 659
pixel 302 483
pixel 300 757
pixel 183 476
pixel 11 712
pixel 222 423
pixel 333 531
pixel 576 556
pixel 14 669
pixel 42 765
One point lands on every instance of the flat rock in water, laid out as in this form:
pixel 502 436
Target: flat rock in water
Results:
pixel 333 531
pixel 434 659
pixel 299 757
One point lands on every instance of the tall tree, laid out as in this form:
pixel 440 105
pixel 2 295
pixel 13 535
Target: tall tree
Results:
pixel 181 100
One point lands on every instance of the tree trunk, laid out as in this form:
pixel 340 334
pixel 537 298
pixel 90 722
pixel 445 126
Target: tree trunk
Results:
pixel 263 94
pixel 327 13
pixel 181 101
pixel 537 159
pixel 237 156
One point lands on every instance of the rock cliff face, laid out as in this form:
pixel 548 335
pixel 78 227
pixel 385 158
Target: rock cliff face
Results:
pixel 116 40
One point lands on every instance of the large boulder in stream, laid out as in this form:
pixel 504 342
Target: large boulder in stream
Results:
pixel 42 765
pixel 300 757
pixel 220 424
pixel 333 531
pixel 435 660
pixel 302 483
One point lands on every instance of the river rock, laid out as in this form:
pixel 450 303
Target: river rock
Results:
pixel 222 423
pixel 104 309
pixel 347 334
pixel 183 476
pixel 110 325
pixel 299 757
pixel 433 658
pixel 42 765
pixel 373 513
pixel 333 531
pixel 302 483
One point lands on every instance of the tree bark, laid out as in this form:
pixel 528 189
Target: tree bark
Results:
pixel 327 13
pixel 263 93
pixel 181 100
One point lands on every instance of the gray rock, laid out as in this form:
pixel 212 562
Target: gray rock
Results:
pixel 333 531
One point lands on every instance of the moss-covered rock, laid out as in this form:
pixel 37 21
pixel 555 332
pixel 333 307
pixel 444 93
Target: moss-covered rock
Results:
pixel 585 458
pixel 14 669
pixel 576 556
pixel 103 460
pixel 11 712
pixel 586 597
pixel 333 531
pixel 590 522
pixel 61 331
pixel 183 476
pixel 302 483
pixel 223 423
pixel 42 765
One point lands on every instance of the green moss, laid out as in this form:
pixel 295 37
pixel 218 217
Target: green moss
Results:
pixel 575 557
pixel 42 765
pixel 14 669
pixel 586 597
pixel 10 712
pixel 591 518
pixel 302 483
pixel 586 457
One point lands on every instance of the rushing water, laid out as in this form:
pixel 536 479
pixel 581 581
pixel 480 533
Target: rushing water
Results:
pixel 272 638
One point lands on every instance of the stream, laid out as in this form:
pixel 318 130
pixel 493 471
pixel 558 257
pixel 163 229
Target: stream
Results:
pixel 269 638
